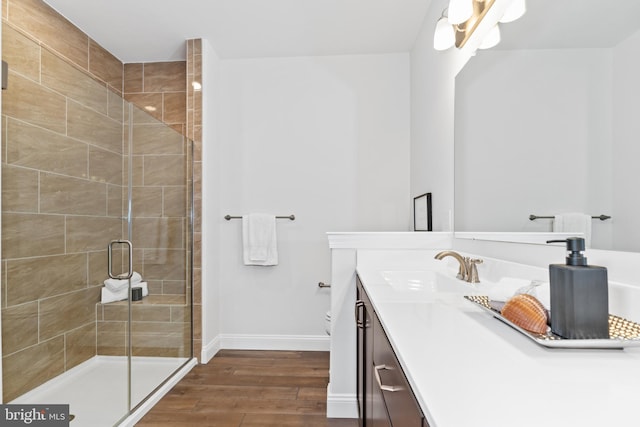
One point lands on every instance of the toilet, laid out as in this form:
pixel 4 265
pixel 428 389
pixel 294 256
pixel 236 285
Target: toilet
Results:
pixel 327 322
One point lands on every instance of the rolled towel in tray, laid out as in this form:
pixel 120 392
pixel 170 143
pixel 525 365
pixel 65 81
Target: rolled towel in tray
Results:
pixel 109 296
pixel 116 285
pixel 507 287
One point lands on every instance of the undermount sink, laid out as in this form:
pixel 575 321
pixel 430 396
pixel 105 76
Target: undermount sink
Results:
pixel 417 281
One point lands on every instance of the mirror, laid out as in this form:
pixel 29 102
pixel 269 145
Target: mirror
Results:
pixel 548 122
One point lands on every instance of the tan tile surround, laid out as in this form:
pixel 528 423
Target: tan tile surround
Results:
pixel 159 89
pixel 53 258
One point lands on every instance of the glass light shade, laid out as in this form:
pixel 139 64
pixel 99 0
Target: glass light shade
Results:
pixel 444 36
pixel 515 10
pixel 491 39
pixel 460 10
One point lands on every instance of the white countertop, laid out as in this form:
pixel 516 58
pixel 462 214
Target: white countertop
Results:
pixel 467 368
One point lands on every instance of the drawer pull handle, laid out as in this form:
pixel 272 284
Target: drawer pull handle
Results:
pixel 392 388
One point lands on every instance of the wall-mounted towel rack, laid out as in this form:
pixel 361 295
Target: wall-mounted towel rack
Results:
pixel 600 217
pixel 230 217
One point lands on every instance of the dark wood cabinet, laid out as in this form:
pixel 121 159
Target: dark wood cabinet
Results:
pixel 365 352
pixel 385 398
pixel 400 403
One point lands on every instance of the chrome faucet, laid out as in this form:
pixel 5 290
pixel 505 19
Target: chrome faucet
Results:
pixel 467 270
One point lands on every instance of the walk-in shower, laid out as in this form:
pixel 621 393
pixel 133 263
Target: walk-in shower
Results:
pixel 81 167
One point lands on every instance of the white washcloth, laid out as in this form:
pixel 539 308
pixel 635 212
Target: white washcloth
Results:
pixel 110 296
pixel 574 222
pixel 259 239
pixel 116 285
pixel 507 287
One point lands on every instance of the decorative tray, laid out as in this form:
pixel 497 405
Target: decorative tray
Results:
pixel 622 332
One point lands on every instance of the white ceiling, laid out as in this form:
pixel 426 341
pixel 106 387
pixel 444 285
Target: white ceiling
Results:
pixel 155 30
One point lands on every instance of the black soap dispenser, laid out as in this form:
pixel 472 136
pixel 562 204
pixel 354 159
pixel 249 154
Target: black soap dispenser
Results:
pixel 579 295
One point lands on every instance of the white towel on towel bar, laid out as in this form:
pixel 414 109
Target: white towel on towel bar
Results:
pixel 116 285
pixel 110 296
pixel 574 222
pixel 259 239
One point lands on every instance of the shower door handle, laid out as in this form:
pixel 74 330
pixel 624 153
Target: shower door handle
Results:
pixel 110 263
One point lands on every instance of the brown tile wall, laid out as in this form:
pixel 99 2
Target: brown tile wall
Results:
pixel 159 88
pixel 159 204
pixel 63 164
pixel 160 327
pixel 61 159
pixel 59 36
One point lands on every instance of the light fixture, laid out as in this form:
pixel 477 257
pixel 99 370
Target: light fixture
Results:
pixel 445 35
pixel 491 39
pixel 463 30
pixel 460 11
pixel 515 10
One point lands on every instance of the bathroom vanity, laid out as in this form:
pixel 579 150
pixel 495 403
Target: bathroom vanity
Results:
pixel 444 362
pixel 384 394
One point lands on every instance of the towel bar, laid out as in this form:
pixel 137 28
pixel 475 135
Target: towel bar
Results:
pixel 291 217
pixel 600 217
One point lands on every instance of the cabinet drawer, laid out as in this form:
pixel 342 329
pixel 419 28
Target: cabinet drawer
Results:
pixel 401 405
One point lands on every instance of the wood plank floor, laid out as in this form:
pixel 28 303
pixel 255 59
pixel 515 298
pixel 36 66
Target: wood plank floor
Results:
pixel 241 388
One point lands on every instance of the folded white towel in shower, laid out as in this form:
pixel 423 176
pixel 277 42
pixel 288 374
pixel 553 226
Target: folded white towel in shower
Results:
pixel 116 285
pixel 110 296
pixel 259 239
pixel 574 222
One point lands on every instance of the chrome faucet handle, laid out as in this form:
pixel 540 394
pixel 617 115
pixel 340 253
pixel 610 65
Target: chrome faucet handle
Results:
pixel 473 270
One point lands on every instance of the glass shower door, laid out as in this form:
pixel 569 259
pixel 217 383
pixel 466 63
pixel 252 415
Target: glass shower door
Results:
pixel 81 167
pixel 161 235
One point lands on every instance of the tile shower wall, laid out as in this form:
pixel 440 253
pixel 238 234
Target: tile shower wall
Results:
pixel 62 193
pixel 53 241
pixel 42 23
pixel 159 88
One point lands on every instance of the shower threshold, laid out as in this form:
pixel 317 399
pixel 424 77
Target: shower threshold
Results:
pixel 96 390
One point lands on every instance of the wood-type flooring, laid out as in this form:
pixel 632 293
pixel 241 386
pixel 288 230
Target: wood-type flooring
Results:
pixel 243 388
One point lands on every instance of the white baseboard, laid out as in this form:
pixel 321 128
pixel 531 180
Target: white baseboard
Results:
pixel 275 342
pixel 209 350
pixel 341 405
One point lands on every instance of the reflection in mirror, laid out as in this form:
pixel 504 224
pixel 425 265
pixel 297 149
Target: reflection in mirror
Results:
pixel 548 123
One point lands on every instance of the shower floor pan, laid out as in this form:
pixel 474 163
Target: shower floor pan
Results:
pixel 96 389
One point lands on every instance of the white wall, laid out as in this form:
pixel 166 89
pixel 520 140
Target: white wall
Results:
pixel 210 202
pixel 326 139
